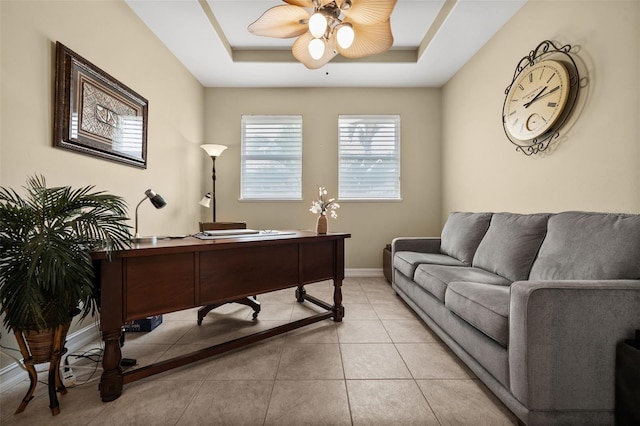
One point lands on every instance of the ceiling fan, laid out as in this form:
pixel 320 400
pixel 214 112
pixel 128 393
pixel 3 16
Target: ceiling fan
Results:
pixel 353 28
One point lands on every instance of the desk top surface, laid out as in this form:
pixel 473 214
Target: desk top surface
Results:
pixel 165 245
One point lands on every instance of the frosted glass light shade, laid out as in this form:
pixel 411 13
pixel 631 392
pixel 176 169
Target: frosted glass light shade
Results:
pixel 316 48
pixel 213 150
pixel 317 25
pixel 345 36
pixel 206 200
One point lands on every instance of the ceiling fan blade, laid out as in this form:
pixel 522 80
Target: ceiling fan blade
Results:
pixel 281 22
pixel 301 3
pixel 369 40
pixel 300 51
pixel 369 11
pixel 307 3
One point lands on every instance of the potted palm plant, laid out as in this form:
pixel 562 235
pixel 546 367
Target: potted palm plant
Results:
pixel 46 271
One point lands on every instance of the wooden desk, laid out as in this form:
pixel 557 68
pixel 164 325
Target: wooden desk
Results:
pixel 172 275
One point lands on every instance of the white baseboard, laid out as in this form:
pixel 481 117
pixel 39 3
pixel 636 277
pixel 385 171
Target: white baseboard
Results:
pixel 13 373
pixel 363 272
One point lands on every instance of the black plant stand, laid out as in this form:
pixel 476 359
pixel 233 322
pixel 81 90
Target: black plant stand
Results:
pixel 628 382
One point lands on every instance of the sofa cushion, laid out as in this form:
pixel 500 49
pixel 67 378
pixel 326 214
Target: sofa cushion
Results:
pixel 589 246
pixel 511 243
pixel 462 233
pixel 407 261
pixel 435 278
pixel 484 306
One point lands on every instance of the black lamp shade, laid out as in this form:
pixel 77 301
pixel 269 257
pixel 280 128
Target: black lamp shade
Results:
pixel 156 199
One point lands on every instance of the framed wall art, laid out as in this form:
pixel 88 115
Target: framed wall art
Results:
pixel 97 115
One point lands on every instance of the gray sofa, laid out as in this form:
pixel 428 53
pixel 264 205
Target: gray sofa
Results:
pixel 533 304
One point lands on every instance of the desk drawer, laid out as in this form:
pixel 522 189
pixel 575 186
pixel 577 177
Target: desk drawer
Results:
pixel 317 261
pixel 231 274
pixel 158 284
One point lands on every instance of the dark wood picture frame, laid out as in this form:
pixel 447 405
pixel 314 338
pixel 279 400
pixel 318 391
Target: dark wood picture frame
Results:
pixel 97 115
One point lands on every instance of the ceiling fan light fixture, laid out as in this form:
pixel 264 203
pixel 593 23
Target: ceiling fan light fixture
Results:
pixel 316 48
pixel 317 25
pixel 352 28
pixel 345 5
pixel 345 35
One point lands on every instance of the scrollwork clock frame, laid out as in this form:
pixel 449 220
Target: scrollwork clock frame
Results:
pixel 545 50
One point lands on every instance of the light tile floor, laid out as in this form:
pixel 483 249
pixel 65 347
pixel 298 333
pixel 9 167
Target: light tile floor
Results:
pixel 380 366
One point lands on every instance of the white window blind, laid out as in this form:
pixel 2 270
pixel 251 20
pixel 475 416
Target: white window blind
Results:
pixel 271 157
pixel 369 157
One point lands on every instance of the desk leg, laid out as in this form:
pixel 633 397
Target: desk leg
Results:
pixel 338 309
pixel 300 293
pixel 111 380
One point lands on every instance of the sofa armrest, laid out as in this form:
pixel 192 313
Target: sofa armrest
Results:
pixel 417 244
pixel 562 341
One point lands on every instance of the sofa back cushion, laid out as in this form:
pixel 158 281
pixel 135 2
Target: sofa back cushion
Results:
pixel 511 244
pixel 462 233
pixel 589 246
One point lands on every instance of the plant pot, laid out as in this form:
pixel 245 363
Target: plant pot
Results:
pixel 40 345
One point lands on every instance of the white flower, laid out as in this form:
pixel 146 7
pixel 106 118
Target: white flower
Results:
pixel 322 205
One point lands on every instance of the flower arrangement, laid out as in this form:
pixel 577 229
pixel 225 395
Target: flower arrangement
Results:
pixel 322 205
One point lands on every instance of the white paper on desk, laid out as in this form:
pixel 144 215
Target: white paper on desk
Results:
pixel 220 232
pixel 207 235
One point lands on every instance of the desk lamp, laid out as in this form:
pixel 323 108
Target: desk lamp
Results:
pixel 158 202
pixel 213 151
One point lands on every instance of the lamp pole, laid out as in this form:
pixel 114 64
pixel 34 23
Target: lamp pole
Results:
pixel 213 194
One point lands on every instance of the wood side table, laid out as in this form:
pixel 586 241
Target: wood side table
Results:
pixel 386 262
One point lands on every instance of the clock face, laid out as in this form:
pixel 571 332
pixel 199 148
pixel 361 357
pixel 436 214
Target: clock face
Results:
pixel 536 100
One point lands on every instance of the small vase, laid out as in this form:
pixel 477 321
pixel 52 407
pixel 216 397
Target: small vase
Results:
pixel 321 225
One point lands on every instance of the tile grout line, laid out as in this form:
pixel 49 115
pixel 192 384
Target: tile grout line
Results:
pixel 193 397
pixel 275 377
pixel 344 381
pixel 415 381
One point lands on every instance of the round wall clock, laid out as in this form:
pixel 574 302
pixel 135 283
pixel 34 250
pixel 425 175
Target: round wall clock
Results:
pixel 540 98
pixel 536 100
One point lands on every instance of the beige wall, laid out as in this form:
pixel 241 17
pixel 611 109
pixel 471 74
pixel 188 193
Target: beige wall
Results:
pixel 597 164
pixel 372 225
pixel 110 35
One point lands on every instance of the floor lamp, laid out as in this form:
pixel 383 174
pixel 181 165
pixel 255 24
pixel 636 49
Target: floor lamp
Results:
pixel 213 151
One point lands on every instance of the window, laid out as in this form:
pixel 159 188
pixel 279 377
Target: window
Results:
pixel 369 157
pixel 271 158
